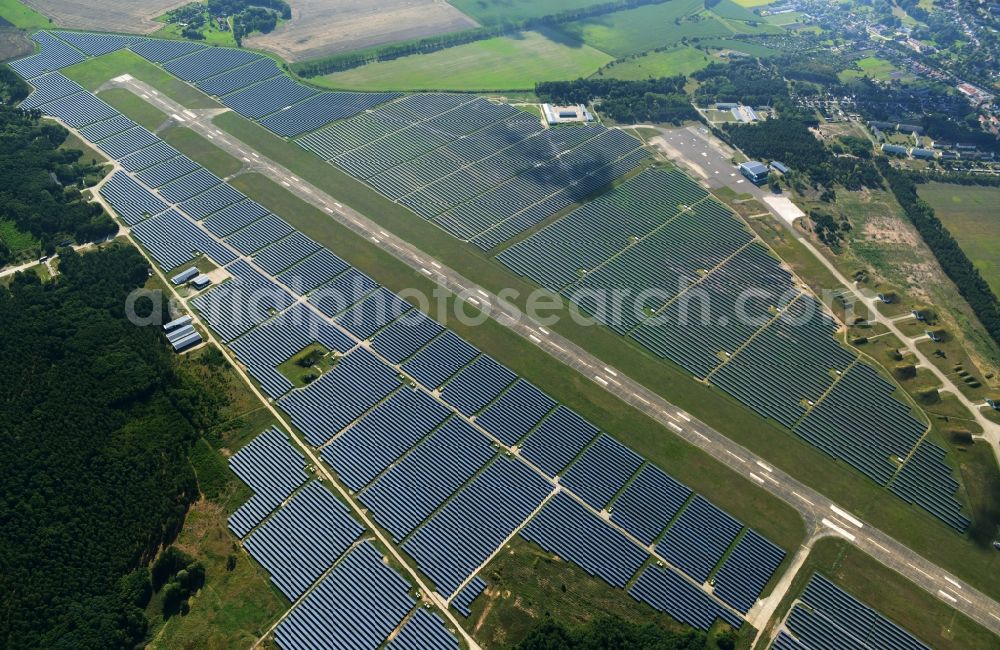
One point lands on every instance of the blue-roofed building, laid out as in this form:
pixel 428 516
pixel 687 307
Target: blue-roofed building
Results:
pixel 779 167
pixel 894 150
pixel 754 171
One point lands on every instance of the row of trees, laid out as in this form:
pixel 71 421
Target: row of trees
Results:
pixel 649 100
pixel 429 44
pixel 949 254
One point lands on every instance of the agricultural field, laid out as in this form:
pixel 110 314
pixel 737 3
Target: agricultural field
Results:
pixel 970 213
pixel 18 15
pixel 489 12
pixel 14 43
pixel 320 28
pixel 528 58
pixel 136 17
pixel 647 28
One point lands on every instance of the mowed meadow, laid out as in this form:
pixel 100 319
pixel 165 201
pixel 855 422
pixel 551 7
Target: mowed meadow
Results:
pixel 527 57
pixel 568 51
pixel 970 213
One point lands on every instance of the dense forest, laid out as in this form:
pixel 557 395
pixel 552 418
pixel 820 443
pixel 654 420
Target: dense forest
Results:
pixel 652 100
pixel 94 476
pixel 608 633
pixel 949 254
pixel 748 81
pixel 40 190
pixel 429 44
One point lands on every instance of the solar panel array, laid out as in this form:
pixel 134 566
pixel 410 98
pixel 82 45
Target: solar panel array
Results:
pixel 273 469
pixel 249 83
pixel 666 591
pixel 463 600
pixel 483 172
pixel 826 616
pixel 355 406
pixel 356 605
pixel 303 539
pixel 424 631
pixel 705 294
pixel 569 530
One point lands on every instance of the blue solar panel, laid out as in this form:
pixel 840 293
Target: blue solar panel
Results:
pixel 95 44
pixel 159 152
pixel 321 109
pixel 238 304
pixel 273 342
pixel 365 450
pixel 424 631
pixel 516 412
pixel 48 88
pixel 173 240
pixel 463 600
pixel 161 50
pixel 55 55
pixel 106 128
pixel 428 475
pixel 79 109
pixel 273 468
pixel 167 171
pixel 472 526
pixel 285 252
pixel 601 471
pixel 235 217
pixel 373 313
pixel 131 201
pixel 209 62
pixel 345 290
pixel 188 186
pixel 303 539
pixel 237 78
pixel 268 96
pixel 648 504
pixel 477 385
pixel 698 539
pixel 567 529
pixel 319 268
pixel 667 592
pixel 357 605
pixel 339 396
pixel 445 356
pixel 404 337
pixel 747 571
pixel 126 142
pixel 558 440
pixel 211 201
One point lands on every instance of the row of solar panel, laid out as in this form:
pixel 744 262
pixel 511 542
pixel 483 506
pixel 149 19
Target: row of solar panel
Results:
pixel 708 297
pixel 249 83
pixel 478 384
pixel 310 533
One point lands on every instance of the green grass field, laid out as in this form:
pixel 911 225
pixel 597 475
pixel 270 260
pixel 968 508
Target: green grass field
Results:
pixel 682 60
pixel 870 66
pixel 647 28
pixel 526 59
pixel 16 241
pixel 895 597
pixel 528 586
pixel 196 147
pixel 23 16
pixel 489 12
pixel 93 72
pixel 970 213
pixel 135 107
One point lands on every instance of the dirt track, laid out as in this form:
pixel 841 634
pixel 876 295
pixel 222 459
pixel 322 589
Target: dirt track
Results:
pixel 321 27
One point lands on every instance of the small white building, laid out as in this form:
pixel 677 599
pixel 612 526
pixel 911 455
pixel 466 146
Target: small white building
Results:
pixel 566 114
